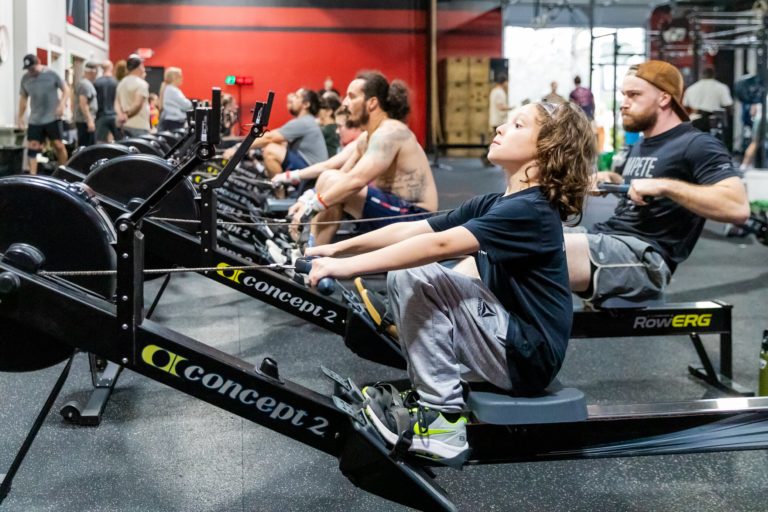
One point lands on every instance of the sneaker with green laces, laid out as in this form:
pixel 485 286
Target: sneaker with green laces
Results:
pixel 396 415
pixel 436 436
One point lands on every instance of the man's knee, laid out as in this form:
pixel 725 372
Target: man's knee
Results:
pixel 327 179
pixel 274 151
pixel 59 145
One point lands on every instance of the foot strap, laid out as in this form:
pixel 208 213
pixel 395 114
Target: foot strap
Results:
pixel 376 309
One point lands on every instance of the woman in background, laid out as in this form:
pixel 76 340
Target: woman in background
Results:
pixel 172 102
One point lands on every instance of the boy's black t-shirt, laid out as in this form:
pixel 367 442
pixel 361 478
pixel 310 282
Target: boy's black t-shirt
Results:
pixel 522 261
pixel 682 153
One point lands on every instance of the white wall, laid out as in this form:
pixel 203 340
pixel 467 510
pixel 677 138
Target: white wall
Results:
pixel 7 76
pixel 41 24
pixel 539 56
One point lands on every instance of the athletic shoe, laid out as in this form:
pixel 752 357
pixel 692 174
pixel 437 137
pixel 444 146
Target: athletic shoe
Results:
pixel 436 436
pixel 433 435
pixel 383 401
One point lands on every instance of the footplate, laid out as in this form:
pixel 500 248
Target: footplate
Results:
pixel 369 464
pixel 364 338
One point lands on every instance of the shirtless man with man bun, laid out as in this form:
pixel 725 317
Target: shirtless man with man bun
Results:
pixel 387 176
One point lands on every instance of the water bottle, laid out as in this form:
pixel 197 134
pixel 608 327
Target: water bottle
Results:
pixel 762 388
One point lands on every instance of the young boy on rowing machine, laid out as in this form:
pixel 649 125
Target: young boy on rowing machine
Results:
pixel 510 327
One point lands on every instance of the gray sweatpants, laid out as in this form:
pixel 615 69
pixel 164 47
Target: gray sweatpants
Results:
pixel 451 328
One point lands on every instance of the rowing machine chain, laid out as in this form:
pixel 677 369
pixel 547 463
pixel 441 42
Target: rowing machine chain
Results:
pixel 175 270
pixel 284 222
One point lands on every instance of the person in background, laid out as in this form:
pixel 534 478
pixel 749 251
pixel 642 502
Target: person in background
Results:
pixel 228 114
pixel 173 103
pixel 328 87
pixel 386 178
pixel 553 97
pixel 583 97
pixel 105 86
pixel 298 143
pixel 68 118
pixel 131 104
pixel 86 106
pixel 121 69
pixel 327 122
pixel 39 89
pixel 498 106
pixel 706 97
pixel 154 111
pixel 678 177
pixel 347 129
pixel 349 133
pixel 750 152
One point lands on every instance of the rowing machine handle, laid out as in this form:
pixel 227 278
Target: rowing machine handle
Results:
pixel 326 286
pixel 613 188
pixel 620 189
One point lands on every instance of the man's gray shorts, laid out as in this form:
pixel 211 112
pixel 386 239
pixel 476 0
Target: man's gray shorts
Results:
pixel 625 267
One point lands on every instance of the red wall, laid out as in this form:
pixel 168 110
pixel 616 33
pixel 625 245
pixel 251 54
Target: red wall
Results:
pixel 283 48
pixel 463 33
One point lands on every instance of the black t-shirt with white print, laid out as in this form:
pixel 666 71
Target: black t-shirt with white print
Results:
pixel 522 261
pixel 681 153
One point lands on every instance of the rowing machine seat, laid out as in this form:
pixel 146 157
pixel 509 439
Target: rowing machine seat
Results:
pixel 556 405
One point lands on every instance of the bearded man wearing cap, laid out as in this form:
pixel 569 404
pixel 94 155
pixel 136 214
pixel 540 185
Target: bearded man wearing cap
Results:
pixel 678 177
pixel 87 106
pixel 40 89
pixel 132 99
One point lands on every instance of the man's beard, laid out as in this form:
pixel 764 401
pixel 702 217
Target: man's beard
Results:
pixel 640 123
pixel 293 111
pixel 364 117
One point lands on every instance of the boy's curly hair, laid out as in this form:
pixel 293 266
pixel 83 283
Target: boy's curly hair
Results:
pixel 565 155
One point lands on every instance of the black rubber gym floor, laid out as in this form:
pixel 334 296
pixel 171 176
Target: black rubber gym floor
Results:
pixel 160 450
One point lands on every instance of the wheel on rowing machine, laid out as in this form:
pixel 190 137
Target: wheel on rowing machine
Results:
pixel 146 147
pixel 132 179
pixel 161 143
pixel 170 137
pixel 62 221
pixel 135 177
pixel 86 156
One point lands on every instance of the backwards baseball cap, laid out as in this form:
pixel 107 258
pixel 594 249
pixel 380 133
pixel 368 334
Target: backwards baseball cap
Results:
pixel 133 62
pixel 30 60
pixel 91 66
pixel 666 77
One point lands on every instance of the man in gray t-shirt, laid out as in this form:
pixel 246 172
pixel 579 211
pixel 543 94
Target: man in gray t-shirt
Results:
pixel 297 144
pixel 106 118
pixel 87 106
pixel 40 88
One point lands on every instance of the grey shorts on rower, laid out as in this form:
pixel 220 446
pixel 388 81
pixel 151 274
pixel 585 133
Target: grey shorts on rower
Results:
pixel 625 267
